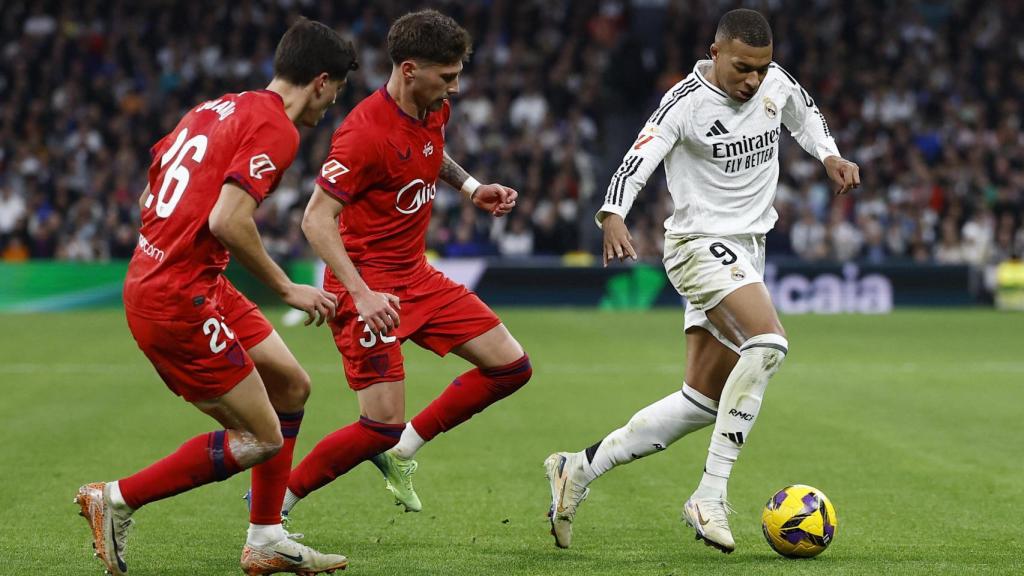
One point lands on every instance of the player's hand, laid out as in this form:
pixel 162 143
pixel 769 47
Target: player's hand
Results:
pixel 617 239
pixel 319 305
pixel 495 198
pixel 843 173
pixel 379 310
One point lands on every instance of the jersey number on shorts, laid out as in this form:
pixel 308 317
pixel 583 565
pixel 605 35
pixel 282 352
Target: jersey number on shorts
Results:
pixel 370 340
pixel 212 328
pixel 176 172
pixel 719 250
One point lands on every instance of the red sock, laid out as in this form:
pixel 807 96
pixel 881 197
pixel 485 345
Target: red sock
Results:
pixel 469 394
pixel 340 451
pixel 201 460
pixel 270 479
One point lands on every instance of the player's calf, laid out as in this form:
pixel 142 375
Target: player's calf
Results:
pixel 760 357
pixel 338 453
pixel 467 395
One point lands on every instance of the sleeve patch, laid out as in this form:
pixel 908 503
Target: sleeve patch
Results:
pixel 332 169
pixel 259 165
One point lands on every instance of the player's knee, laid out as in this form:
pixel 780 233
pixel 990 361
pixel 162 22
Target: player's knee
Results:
pixel 510 377
pixel 385 435
pixel 298 385
pixel 249 449
pixel 770 348
pixel 292 395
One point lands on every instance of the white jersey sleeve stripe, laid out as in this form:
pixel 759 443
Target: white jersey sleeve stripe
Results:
pixel 634 165
pixel 677 95
pixel 614 195
pixel 814 137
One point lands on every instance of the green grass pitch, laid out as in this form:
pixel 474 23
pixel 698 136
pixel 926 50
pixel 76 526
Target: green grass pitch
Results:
pixel 911 423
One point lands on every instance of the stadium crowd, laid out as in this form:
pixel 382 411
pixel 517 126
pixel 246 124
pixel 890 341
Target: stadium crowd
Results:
pixel 923 95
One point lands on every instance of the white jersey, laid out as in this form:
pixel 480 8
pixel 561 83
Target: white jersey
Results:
pixel 721 155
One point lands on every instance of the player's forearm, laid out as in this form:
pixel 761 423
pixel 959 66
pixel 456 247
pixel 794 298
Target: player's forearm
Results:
pixel 143 198
pixel 455 175
pixel 321 231
pixel 628 180
pixel 241 237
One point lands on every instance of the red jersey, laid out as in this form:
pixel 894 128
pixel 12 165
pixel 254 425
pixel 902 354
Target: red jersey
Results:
pixel 383 166
pixel 244 138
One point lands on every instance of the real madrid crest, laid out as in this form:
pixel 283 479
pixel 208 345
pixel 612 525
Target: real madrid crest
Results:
pixel 737 273
pixel 769 108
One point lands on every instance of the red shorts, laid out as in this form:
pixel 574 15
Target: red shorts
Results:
pixel 201 354
pixel 436 313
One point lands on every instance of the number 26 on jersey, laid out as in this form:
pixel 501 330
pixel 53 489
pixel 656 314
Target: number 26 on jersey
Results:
pixel 194 148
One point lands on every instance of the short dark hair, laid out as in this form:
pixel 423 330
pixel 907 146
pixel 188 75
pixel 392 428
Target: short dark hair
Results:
pixel 428 35
pixel 310 48
pixel 748 26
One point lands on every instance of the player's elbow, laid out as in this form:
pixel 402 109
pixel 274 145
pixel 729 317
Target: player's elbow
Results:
pixel 220 227
pixel 313 220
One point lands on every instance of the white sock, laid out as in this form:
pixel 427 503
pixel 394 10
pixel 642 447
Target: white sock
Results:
pixel 650 430
pixel 760 358
pixel 409 444
pixel 117 499
pixel 290 500
pixel 264 534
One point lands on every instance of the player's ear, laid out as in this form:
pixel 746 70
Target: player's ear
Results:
pixel 408 69
pixel 319 83
pixel 714 50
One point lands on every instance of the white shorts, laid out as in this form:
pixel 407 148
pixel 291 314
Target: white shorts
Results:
pixel 706 269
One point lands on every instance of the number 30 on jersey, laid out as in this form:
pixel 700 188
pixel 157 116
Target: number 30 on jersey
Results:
pixel 371 337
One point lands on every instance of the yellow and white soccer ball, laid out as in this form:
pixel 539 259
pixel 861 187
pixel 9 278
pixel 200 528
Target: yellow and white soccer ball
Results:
pixel 799 521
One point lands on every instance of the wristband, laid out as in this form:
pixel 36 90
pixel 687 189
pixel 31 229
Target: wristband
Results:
pixel 470 186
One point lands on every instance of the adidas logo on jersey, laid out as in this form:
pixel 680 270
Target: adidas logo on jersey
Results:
pixel 717 129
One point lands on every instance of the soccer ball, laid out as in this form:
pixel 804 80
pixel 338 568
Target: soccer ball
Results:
pixel 799 521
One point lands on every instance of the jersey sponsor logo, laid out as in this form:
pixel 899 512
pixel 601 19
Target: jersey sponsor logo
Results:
pixel 331 170
pixel 745 144
pixel 770 110
pixel 259 165
pixel 717 129
pixel 414 195
pixel 150 250
pixel 428 149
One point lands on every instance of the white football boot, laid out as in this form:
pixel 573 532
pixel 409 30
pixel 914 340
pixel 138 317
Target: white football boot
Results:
pixel 709 517
pixel 562 469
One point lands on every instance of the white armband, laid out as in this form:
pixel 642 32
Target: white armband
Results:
pixel 470 186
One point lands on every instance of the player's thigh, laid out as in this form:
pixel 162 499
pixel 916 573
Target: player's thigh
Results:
pixel 286 382
pixel 708 362
pixel 494 348
pixel 383 402
pixel 199 357
pixel 249 324
pixel 245 408
pixel 722 278
pixel 460 322
pixel 367 356
pixel 746 312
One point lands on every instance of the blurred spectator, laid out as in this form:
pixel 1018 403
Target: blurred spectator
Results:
pixel 926 99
